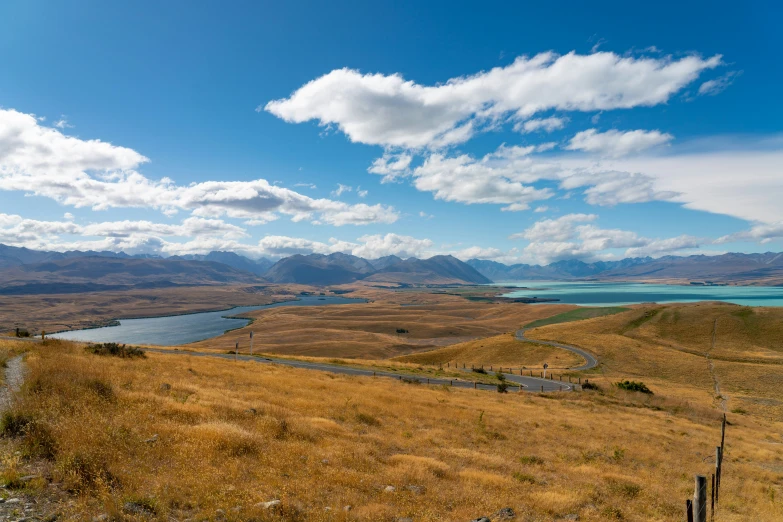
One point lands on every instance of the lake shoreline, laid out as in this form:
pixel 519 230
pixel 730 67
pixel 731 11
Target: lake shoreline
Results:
pixel 183 329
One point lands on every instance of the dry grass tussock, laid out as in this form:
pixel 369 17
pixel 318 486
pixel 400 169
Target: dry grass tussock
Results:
pixel 182 437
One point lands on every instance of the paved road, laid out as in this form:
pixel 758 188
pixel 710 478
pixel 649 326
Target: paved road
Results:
pixel 590 360
pixel 531 384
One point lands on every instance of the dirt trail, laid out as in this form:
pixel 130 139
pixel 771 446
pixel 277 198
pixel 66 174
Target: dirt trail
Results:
pixel 14 377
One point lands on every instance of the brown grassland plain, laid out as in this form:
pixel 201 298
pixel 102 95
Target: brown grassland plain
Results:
pixel 369 330
pixel 176 437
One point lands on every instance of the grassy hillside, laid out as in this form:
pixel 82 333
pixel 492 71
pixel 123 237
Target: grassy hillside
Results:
pixel 371 330
pixel 577 315
pixel 179 437
pixel 672 346
pixel 500 350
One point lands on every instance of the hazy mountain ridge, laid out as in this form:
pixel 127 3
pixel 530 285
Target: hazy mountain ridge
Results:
pixel 731 267
pixel 38 270
pixel 254 266
pixel 95 273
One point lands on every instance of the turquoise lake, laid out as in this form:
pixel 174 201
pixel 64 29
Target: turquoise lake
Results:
pixel 182 329
pixel 617 294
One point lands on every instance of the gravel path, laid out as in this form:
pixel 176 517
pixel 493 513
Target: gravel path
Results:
pixel 14 377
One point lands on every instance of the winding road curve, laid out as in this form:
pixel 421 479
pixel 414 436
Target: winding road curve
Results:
pixel 530 384
pixel 590 360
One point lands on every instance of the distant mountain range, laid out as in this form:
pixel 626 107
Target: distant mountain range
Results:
pixel 101 273
pixel 341 268
pixel 24 271
pixel 725 268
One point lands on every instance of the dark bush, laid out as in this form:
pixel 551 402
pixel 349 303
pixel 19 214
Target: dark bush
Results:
pixel 590 386
pixel 22 333
pixel 402 330
pixel 14 424
pixel 503 387
pixel 37 439
pixel 116 350
pixel 500 376
pixel 479 370
pixel 633 386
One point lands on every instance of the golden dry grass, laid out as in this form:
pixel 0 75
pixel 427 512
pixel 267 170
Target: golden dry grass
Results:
pixel 500 350
pixel 669 346
pixel 370 330
pixel 230 435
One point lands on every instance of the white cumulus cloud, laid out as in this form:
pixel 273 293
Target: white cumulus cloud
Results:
pixel 391 111
pixel 617 143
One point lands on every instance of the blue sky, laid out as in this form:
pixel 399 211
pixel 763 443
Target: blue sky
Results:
pixel 522 133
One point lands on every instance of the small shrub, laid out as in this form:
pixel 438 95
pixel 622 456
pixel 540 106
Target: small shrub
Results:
pixel 14 424
pixel 525 478
pixel 479 370
pixel 116 350
pixel 634 386
pixel 739 411
pixel 530 460
pixel 500 376
pixel 22 333
pixel 590 386
pixel 402 330
pixel 503 387
pixel 369 420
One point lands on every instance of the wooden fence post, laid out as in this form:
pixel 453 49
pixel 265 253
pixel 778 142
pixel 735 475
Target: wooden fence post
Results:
pixel 712 501
pixel 689 510
pixel 718 459
pixel 542 388
pixel 720 466
pixel 474 385
pixel 700 499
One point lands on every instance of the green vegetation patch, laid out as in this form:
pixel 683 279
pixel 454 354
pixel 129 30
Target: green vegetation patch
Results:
pixel 634 386
pixel 116 350
pixel 577 315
